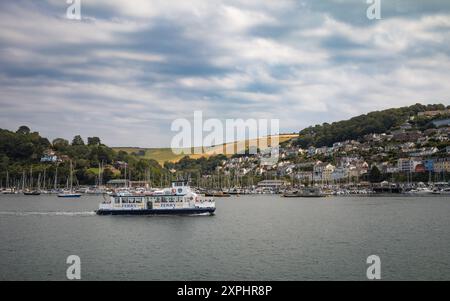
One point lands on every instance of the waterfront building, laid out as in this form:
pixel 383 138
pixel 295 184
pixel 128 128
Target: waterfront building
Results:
pixel 429 165
pixel 442 165
pixel 322 172
pixel 118 183
pixel 340 173
pixel 306 176
pixel 272 184
pixel 419 168
pixel 405 165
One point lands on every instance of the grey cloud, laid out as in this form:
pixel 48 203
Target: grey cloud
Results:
pixel 131 67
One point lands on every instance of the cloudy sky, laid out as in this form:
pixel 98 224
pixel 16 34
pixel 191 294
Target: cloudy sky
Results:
pixel 129 68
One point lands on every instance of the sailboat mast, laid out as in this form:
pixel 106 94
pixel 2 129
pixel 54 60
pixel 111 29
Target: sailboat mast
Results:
pixel 44 185
pixel 23 180
pixel 100 166
pixel 56 177
pixel 71 176
pixel 31 178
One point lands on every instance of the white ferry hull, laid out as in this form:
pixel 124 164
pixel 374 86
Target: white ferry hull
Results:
pixel 179 211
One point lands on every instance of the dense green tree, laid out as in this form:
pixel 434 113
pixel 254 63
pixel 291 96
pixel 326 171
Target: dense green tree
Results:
pixel 77 140
pixel 375 175
pixel 93 141
pixel 107 175
pixel 60 144
pixel 23 130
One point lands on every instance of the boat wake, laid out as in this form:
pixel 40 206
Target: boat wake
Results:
pixel 48 213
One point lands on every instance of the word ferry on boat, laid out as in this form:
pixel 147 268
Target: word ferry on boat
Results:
pixel 178 199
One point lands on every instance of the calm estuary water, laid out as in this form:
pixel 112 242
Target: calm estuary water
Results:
pixel 250 238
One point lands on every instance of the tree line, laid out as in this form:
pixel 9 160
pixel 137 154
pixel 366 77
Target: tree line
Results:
pixel 21 152
pixel 355 128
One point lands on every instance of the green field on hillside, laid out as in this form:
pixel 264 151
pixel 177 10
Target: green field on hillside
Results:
pixel 165 154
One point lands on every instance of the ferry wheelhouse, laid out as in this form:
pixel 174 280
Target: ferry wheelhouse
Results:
pixel 178 199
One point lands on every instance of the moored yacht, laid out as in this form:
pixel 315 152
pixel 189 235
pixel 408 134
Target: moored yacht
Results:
pixel 178 199
pixel 443 191
pixel 70 193
pixel 306 192
pixel 32 192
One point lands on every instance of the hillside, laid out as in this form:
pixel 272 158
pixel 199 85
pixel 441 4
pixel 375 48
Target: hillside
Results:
pixel 165 154
pixel 356 127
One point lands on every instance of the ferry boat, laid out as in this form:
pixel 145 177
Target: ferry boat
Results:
pixel 177 200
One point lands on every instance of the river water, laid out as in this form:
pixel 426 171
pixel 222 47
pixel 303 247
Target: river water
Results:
pixel 260 237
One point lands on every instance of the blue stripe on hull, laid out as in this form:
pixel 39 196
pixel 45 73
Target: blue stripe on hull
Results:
pixel 156 211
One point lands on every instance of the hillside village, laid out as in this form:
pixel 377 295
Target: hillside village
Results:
pixel 402 154
pixel 404 145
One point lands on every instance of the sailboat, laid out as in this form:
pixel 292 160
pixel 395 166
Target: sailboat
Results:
pixel 30 191
pixel 8 190
pixel 70 193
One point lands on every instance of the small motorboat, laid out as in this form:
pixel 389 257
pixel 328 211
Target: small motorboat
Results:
pixel 34 192
pixel 69 194
pixel 307 192
pixel 218 194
